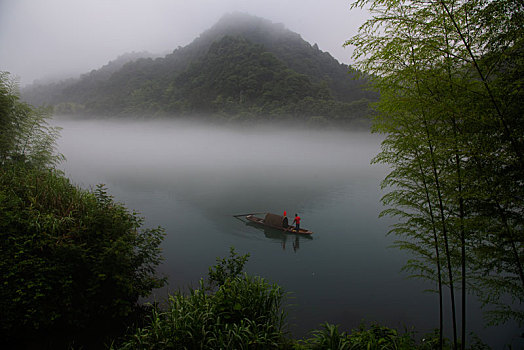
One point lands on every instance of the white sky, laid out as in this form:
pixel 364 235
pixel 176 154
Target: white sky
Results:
pixel 42 39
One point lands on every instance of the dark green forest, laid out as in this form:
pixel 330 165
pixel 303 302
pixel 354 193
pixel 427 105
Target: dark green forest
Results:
pixel 243 68
pixel 73 262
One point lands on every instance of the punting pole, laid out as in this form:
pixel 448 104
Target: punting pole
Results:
pixel 248 214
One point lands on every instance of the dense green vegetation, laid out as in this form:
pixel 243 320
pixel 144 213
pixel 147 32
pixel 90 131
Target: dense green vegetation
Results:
pixel 450 74
pixel 25 135
pixel 233 310
pixel 73 262
pixel 242 68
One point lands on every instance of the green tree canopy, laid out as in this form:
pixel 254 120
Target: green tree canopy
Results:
pixel 73 263
pixel 24 131
pixel 450 77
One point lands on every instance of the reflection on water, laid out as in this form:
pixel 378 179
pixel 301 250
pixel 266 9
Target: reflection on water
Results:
pixel 191 180
pixel 281 237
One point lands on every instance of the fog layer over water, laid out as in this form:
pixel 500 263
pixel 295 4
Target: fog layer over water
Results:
pixel 192 179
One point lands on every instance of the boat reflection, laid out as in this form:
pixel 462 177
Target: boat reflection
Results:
pixel 281 237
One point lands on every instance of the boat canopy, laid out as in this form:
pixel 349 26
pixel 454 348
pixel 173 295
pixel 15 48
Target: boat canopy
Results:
pixel 276 220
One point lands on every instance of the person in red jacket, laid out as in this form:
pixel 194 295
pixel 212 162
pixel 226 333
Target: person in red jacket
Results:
pixel 297 221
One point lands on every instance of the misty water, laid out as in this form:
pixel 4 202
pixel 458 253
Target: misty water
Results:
pixel 192 179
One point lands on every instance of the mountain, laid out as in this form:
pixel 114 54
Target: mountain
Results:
pixel 242 67
pixel 41 93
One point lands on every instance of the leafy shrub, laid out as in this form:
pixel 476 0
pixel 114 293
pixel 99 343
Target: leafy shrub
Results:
pixel 243 313
pixel 380 337
pixel 373 337
pixel 25 134
pixel 328 337
pixel 227 268
pixel 73 263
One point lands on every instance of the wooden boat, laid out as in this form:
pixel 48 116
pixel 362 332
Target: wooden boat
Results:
pixel 277 222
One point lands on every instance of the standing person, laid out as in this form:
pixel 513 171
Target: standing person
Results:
pixel 297 221
pixel 285 221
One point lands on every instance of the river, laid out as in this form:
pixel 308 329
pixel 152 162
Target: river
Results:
pixel 191 179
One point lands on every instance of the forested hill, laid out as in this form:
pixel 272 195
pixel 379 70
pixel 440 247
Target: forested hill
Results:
pixel 242 67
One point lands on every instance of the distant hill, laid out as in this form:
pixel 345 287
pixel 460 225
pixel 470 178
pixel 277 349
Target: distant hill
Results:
pixel 244 67
pixel 41 93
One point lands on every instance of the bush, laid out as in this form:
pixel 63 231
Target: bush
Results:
pixel 237 311
pixel 226 269
pixel 73 263
pixel 25 134
pixel 243 313
pixel 373 337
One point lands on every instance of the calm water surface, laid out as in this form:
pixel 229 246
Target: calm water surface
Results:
pixel 191 180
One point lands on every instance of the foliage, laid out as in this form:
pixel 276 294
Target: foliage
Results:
pixel 242 68
pixel 450 77
pixel 373 337
pixel 226 269
pixel 24 132
pixel 328 337
pixel 243 313
pixel 73 263
pixel 380 337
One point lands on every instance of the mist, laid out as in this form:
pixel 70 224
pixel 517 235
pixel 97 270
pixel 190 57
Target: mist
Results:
pixel 61 38
pixel 205 164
